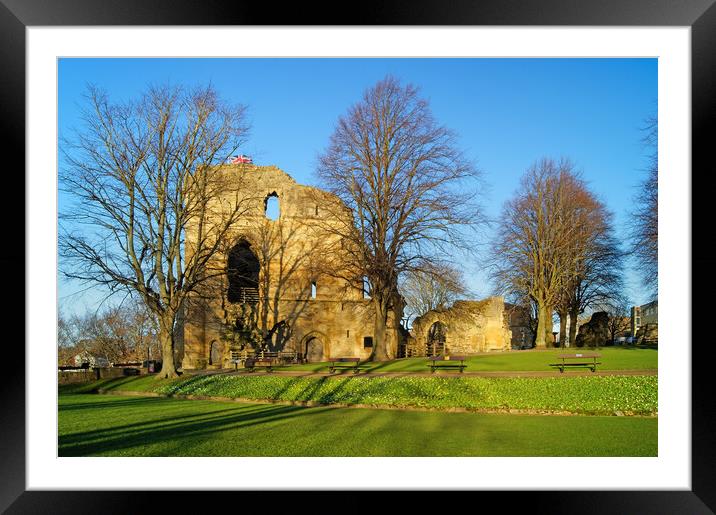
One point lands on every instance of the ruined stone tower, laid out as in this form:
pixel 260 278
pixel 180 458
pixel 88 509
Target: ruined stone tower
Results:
pixel 286 281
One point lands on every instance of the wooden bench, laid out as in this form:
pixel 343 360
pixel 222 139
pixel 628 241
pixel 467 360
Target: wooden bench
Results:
pixel 436 362
pixel 583 361
pixel 344 363
pixel 252 364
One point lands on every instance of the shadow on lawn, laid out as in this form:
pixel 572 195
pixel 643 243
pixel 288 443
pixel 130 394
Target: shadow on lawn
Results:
pixel 186 384
pixel 139 402
pixel 177 428
pixel 377 365
pixel 631 347
pixel 93 386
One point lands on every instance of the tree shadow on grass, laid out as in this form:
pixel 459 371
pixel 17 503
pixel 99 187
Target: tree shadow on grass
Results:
pixel 309 391
pixel 142 434
pixel 400 365
pixel 376 365
pixel 334 394
pixel 185 385
pixel 93 386
pixel 634 347
pixel 109 403
pixel 167 421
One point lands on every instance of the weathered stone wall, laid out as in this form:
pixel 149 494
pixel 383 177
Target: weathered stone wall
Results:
pixel 595 332
pixel 302 247
pixel 471 327
pixel 648 333
pixel 517 318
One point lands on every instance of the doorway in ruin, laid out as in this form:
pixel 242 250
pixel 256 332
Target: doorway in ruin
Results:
pixel 243 274
pixel 436 339
pixel 216 351
pixel 313 350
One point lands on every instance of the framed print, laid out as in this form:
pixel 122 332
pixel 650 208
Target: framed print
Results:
pixel 303 67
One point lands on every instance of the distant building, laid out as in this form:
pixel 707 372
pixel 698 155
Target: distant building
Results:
pixel 644 315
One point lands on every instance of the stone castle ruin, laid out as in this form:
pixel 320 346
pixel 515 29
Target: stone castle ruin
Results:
pixel 468 327
pixel 287 286
pixel 286 283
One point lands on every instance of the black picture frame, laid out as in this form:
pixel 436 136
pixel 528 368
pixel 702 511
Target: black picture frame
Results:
pixel 699 15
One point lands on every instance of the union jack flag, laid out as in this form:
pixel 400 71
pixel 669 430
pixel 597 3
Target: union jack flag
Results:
pixel 235 160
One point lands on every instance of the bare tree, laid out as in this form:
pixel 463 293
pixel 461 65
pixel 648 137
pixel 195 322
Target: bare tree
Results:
pixel 109 334
pixel 143 331
pixel 618 310
pixel 541 240
pixel 595 260
pixel 140 173
pixel 645 219
pixel 123 332
pixel 410 189
pixel 69 336
pixel 434 287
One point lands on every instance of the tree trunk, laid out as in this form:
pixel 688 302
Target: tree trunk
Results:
pixel 381 352
pixel 548 336
pixel 166 344
pixel 540 342
pixel 563 328
pixel 573 314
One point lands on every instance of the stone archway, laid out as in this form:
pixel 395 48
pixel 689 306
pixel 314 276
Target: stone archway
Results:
pixel 243 273
pixel 216 353
pixel 314 348
pixel 437 335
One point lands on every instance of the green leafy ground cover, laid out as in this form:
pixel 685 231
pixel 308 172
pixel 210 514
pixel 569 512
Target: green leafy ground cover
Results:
pixel 612 358
pixel 107 425
pixel 602 395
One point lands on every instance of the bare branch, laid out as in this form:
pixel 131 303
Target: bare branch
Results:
pixel 139 175
pixel 411 192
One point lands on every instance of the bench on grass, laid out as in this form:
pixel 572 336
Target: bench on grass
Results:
pixel 583 361
pixel 436 362
pixel 344 363
pixel 252 364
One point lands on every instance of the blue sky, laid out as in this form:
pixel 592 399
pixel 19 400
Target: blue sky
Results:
pixel 507 112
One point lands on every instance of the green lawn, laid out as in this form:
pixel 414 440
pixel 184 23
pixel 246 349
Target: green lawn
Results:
pixel 106 425
pixel 613 358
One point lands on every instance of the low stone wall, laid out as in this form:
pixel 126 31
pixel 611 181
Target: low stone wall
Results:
pixel 111 372
pixel 86 375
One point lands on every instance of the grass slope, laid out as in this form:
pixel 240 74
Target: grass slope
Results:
pixel 613 358
pixel 580 394
pixel 105 425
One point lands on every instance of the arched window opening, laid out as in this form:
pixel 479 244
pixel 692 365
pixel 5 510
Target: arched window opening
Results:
pixel 436 339
pixel 243 271
pixel 272 207
pixel 314 289
pixel 366 287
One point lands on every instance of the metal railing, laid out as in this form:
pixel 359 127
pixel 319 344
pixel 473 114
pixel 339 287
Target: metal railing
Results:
pixel 249 295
